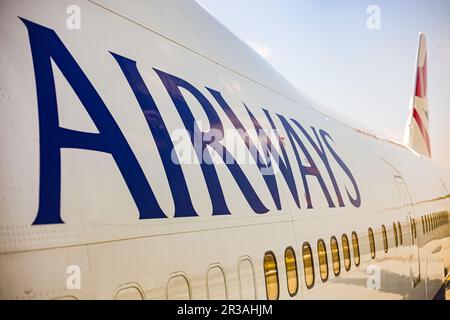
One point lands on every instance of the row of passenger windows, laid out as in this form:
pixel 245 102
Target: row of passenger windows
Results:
pixel 429 222
pixel 433 221
pixel 271 270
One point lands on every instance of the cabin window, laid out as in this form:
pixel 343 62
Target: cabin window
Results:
pixel 216 286
pixel 400 233
pixel 247 279
pixel 414 228
pixel 372 243
pixel 271 275
pixel 356 255
pixel 129 293
pixel 335 256
pixel 385 239
pixel 426 223
pixel 291 271
pixel 178 288
pixel 346 252
pixel 323 260
pixel 423 225
pixel 308 265
pixel 395 235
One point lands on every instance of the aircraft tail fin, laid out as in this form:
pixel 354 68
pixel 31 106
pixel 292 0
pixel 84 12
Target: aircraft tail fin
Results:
pixel 417 134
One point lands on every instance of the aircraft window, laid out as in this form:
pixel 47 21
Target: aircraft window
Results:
pixel 429 222
pixel 385 239
pixel 356 254
pixel 323 260
pixel 216 284
pixel 414 228
pixel 423 225
pixel 271 275
pixel 247 280
pixel 400 233
pixel 371 243
pixel 308 265
pixel 426 223
pixel 395 235
pixel 178 288
pixel 335 256
pixel 291 271
pixel 129 293
pixel 346 251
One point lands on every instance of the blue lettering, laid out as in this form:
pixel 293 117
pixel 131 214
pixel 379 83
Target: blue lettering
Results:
pixel 46 46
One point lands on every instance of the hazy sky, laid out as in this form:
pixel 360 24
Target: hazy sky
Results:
pixel 325 48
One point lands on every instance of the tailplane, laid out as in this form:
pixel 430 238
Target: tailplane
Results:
pixel 417 134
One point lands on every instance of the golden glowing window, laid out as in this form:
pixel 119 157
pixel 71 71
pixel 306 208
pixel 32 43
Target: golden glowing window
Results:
pixel 335 256
pixel 271 275
pixel 400 233
pixel 426 223
pixel 355 242
pixel 308 265
pixel 385 239
pixel 371 243
pixel 346 252
pixel 414 228
pixel 323 260
pixel 395 235
pixel 291 271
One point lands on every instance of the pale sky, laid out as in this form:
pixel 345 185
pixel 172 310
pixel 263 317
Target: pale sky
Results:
pixel 325 48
